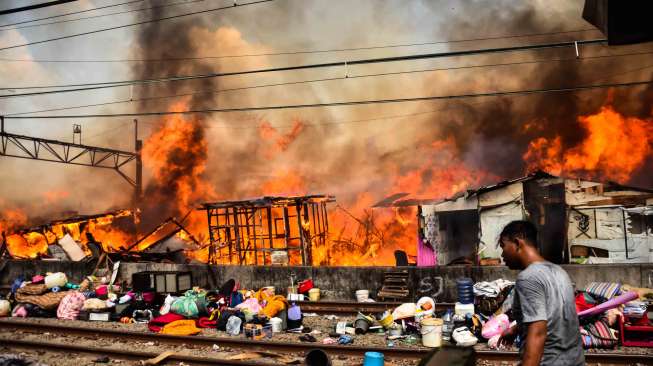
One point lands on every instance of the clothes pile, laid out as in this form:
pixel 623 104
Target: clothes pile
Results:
pixel 228 308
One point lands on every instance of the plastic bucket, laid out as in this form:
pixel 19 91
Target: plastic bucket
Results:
pixel 362 295
pixel 432 332
pixel 314 294
pixel 277 325
pixel 386 320
pixel 395 330
pixel 362 326
pixel 373 359
pixel 465 290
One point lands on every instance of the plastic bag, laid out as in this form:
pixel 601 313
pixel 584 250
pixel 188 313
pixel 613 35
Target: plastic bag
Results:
pixel 191 305
pixel 233 325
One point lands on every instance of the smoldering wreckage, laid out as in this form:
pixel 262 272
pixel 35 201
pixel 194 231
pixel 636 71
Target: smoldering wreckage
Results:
pixel 581 221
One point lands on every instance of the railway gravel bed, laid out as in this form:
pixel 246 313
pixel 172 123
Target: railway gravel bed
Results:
pixel 222 350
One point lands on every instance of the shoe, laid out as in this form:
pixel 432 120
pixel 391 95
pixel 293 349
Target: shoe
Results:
pixel 307 338
pixel 463 337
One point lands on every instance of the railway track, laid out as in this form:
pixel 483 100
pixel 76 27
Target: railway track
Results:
pixel 123 353
pixel 350 308
pixel 238 343
pixel 406 353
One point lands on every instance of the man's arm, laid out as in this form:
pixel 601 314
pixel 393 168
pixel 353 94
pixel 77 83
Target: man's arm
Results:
pixel 536 335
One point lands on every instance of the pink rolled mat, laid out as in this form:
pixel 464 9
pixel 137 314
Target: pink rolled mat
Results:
pixel 612 303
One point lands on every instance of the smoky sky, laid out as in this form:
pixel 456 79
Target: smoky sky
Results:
pixel 347 151
pixel 493 133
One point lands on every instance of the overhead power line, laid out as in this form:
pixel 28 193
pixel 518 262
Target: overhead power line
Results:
pixel 350 103
pixel 215 91
pixel 284 53
pixel 104 85
pixel 396 116
pixel 35 6
pixel 132 24
pixel 71 13
pixel 105 15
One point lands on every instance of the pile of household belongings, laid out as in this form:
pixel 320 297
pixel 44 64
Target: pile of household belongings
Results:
pixel 401 324
pixel 52 295
pixel 227 309
pixel 600 306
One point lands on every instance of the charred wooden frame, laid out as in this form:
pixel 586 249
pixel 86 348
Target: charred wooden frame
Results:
pixel 249 231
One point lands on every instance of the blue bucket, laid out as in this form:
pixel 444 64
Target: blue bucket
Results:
pixel 373 359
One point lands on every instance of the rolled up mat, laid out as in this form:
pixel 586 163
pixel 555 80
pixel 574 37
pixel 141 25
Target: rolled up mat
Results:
pixel 610 304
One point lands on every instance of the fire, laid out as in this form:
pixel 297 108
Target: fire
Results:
pixel 30 245
pixel 10 219
pixel 614 148
pixel 281 141
pixel 34 243
pixel 361 235
pixel 176 155
pixel 284 183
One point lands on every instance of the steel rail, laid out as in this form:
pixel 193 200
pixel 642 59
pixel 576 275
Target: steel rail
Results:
pixel 123 353
pixel 349 307
pixel 271 346
pixel 352 350
pixel 590 357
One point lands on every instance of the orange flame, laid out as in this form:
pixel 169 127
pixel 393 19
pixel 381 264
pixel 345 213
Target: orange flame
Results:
pixel 32 244
pixel 615 147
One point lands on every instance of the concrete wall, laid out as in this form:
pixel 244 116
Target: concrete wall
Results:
pixel 337 282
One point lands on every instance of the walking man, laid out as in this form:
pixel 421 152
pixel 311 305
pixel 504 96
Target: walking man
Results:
pixel 543 304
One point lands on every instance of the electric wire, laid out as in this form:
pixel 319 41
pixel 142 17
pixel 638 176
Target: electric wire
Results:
pixel 115 129
pixel 352 77
pixel 71 13
pixel 352 103
pixel 35 6
pixel 104 15
pixel 132 24
pixel 110 84
pixel 179 59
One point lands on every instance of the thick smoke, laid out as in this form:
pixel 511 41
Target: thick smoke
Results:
pixel 488 135
pixel 174 165
pixel 494 132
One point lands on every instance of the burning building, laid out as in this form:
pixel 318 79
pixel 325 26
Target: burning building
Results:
pixel 268 230
pixel 114 230
pixel 579 221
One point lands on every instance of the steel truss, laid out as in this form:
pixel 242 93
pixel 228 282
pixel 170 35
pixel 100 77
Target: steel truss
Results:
pixel 35 148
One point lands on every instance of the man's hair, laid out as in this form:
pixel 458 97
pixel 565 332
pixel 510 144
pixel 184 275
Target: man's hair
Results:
pixel 520 229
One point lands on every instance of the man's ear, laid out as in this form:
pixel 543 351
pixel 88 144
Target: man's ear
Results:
pixel 520 242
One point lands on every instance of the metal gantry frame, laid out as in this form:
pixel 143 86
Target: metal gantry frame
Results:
pixel 250 231
pixel 28 147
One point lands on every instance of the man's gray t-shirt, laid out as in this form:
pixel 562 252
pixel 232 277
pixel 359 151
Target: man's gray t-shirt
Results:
pixel 543 291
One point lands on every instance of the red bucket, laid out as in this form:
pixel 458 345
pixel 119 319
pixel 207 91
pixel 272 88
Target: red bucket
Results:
pixel 304 286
